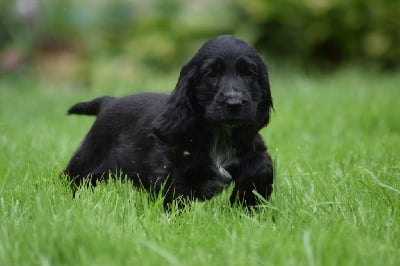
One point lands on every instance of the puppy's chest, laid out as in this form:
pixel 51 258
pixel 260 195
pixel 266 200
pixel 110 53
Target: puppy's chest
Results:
pixel 222 157
pixel 216 160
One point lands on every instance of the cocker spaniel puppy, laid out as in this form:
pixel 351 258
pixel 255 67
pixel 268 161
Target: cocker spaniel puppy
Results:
pixel 192 143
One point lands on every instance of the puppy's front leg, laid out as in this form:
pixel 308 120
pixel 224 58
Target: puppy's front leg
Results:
pixel 255 173
pixel 179 194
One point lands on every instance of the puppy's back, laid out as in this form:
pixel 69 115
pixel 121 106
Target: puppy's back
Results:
pixel 95 106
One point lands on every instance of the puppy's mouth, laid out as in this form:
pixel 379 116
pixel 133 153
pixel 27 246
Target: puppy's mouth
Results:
pixel 233 122
pixel 232 117
pixel 230 120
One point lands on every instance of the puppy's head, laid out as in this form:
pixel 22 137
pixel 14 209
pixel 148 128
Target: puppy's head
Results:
pixel 225 83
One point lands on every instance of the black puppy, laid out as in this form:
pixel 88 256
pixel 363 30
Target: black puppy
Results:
pixel 192 143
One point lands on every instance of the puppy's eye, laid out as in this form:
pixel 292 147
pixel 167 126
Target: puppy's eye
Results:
pixel 214 69
pixel 212 72
pixel 246 68
pixel 252 71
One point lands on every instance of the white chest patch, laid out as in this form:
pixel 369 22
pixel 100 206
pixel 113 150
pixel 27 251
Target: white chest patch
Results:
pixel 222 158
pixel 222 155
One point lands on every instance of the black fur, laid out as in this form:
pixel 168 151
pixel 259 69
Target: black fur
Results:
pixel 195 141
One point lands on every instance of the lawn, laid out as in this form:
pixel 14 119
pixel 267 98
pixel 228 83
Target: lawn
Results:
pixel 335 139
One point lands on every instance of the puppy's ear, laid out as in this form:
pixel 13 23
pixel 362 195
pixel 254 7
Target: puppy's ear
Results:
pixel 265 106
pixel 177 118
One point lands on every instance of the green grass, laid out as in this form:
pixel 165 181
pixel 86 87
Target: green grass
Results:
pixel 336 143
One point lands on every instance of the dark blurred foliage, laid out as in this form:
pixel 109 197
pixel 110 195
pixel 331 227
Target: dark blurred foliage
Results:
pixel 328 32
pixel 77 39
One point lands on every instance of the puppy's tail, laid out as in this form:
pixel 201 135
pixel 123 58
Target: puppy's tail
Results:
pixel 92 107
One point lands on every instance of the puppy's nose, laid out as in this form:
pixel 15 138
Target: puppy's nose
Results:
pixel 233 101
pixel 233 104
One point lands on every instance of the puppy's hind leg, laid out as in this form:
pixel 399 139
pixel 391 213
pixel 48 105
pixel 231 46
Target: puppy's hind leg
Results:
pixel 99 174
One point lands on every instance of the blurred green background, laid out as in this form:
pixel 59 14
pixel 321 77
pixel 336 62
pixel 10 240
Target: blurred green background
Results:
pixel 94 42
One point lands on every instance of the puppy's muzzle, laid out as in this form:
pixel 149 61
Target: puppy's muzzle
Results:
pixel 234 107
pixel 233 102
